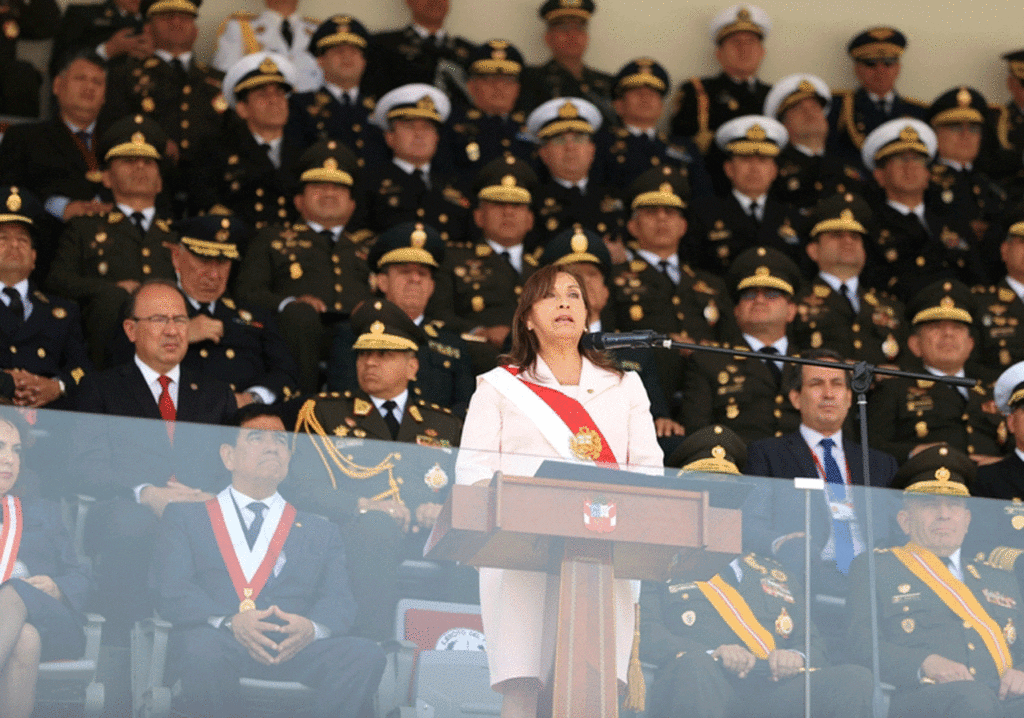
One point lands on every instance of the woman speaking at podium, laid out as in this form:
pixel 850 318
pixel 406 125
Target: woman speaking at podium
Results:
pixel 552 398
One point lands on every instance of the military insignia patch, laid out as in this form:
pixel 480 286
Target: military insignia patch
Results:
pixel 908 625
pixel 999 599
pixel 436 478
pixel 689 618
pixel 599 515
pixel 361 407
pixel 1010 632
pixel 784 624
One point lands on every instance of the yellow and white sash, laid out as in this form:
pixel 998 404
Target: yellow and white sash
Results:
pixel 735 611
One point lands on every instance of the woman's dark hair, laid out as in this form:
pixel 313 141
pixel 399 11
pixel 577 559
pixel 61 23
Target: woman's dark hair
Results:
pixel 524 342
pixel 12 418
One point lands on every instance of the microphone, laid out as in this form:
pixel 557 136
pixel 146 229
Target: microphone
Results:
pixel 623 340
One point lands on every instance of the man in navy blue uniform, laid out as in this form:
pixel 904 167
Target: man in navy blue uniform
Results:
pixel 257 589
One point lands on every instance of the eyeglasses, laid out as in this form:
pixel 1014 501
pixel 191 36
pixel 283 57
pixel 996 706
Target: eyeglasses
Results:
pixel 162 320
pixel 887 61
pixel 750 295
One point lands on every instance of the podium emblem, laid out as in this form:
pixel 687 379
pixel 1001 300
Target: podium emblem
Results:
pixel 599 515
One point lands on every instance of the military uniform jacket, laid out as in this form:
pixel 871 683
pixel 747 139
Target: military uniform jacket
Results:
pixel 559 208
pixel 285 262
pixel 999 522
pixel 909 257
pixel 967 194
pixel 1009 132
pixel 49 343
pixel 251 352
pixel 697 309
pixel 243 33
pixel 914 622
pixel 724 98
pixel 445 375
pixel 97 251
pixel 233 170
pixel 550 80
pixel 804 180
pixel 720 230
pixel 475 138
pixel 623 156
pixel 684 620
pixel 477 288
pixel 46 158
pixel 411 58
pixel 188 107
pixel 424 429
pixel 392 196
pixel 877 333
pixel 853 116
pixel 903 413
pixel 86 26
pixel 318 115
pixel 1001 325
pixel 738 392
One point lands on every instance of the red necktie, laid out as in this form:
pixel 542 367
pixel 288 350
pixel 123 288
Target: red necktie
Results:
pixel 167 412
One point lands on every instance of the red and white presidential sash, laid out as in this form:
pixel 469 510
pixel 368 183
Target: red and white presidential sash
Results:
pixel 563 421
pixel 958 597
pixel 247 583
pixel 10 537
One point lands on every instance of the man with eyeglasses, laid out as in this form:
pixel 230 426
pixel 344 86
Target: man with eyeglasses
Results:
pixel 565 129
pixel 914 245
pixel 136 468
pixel 745 393
pixel 876 55
pixel 102 258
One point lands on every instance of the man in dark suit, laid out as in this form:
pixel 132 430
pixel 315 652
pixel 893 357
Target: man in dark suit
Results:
pixel 746 216
pixel 773 515
pixel 293 627
pixel 47 355
pixel 249 166
pixel 139 467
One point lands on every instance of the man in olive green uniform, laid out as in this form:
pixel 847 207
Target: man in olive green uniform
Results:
pixel 404 260
pixel 907 415
pixel 837 311
pixel 1001 306
pixel 388 501
pixel 947 621
pixel 102 258
pixel 479 283
pixel 313 273
pixel 744 393
pixel 734 645
pixel 565 74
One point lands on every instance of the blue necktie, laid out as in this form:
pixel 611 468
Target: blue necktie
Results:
pixel 253 532
pixel 840 529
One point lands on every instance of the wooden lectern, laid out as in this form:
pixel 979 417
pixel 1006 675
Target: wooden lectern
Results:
pixel 589 534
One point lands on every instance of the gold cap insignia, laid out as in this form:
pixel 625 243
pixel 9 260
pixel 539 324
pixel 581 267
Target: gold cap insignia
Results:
pixel 579 243
pixel 743 14
pixel 330 164
pixel 426 103
pixel 508 181
pixel 138 139
pixel 909 134
pixel 268 67
pixel 14 201
pixel 947 303
pixel 881 33
pixel 418 237
pixel 806 86
pixel 718 452
pixel 963 97
pixel 666 187
pixel 762 272
pixel 568 111
pixel 942 473
pixel 377 327
pixel 846 214
pixel 756 133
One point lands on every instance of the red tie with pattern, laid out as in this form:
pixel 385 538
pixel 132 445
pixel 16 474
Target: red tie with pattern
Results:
pixel 167 412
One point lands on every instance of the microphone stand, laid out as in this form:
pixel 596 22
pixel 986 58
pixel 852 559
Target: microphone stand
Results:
pixel 863 376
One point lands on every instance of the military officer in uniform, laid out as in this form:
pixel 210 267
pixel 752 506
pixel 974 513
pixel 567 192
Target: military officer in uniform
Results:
pixel 404 260
pixel 418 184
pixel 908 415
pixel 278 29
pixel 807 172
pixel 388 513
pixel 734 644
pixel 171 86
pixel 876 54
pixel 479 283
pixel 947 620
pixel 704 104
pixel 636 145
pixel 102 258
pixel 1001 306
pixel 424 51
pixel 1005 479
pixel 20 81
pixel 915 246
pixel 489 126
pixel 112 28
pixel 311 274
pixel 235 344
pixel 743 392
pixel 45 353
pixel 838 311
pixel 1010 120
pixel 340 108
pixel 653 287
pixel 249 166
pixel 565 74
pixel 565 129
pixel 748 216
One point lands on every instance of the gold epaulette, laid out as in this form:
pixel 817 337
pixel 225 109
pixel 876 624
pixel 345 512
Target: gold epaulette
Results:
pixel 704 136
pixel 1003 557
pixel 915 101
pixel 241 16
pixel 847 122
pixel 1003 127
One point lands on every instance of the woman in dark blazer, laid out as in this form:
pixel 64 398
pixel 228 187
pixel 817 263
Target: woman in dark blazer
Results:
pixel 43 587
